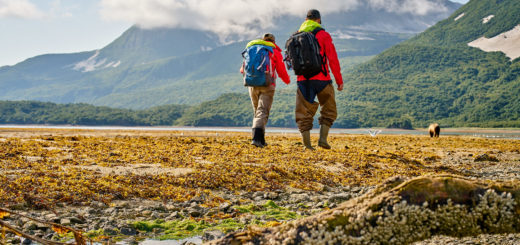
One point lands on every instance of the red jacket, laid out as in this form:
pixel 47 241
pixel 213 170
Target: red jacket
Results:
pixel 277 65
pixel 328 49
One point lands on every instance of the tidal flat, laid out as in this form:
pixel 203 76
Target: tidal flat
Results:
pixel 128 185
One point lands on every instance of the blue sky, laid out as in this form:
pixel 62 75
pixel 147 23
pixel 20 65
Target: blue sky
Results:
pixel 33 27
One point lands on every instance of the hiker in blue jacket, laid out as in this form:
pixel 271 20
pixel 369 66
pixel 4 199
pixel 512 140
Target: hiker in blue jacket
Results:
pixel 262 96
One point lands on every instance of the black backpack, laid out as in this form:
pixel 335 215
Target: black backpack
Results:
pixel 302 53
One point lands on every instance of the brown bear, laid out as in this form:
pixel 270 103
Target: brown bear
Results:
pixel 434 130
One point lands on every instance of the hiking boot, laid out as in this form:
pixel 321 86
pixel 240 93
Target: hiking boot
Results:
pixel 257 137
pixel 324 133
pixel 306 136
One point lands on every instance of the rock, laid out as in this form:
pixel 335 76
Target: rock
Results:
pixel 16 240
pixel 110 231
pixel 408 200
pixel 212 235
pixel 146 213
pixel 98 205
pixel 110 210
pixel 294 198
pixel 155 215
pixel 193 212
pixel 131 241
pixel 197 199
pixel 211 212
pixel 171 207
pixel 128 231
pixel 485 158
pixel 271 195
pixel 26 241
pixel 65 221
pixel 48 236
pixel 50 217
pixel 30 226
pixel 258 194
pixel 337 198
pixel 224 207
pixel 76 220
pixel 160 207
pixel 174 215
pixel 188 243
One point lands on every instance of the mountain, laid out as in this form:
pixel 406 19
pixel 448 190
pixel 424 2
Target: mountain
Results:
pixel 447 74
pixel 146 68
pixel 442 75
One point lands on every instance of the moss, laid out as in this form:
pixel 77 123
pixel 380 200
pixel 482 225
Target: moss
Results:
pixel 269 210
pixel 95 233
pixel 173 229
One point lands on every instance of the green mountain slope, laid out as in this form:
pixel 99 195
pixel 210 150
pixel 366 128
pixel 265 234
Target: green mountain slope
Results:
pixel 437 77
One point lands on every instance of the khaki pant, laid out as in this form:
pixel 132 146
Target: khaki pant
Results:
pixel 305 110
pixel 262 99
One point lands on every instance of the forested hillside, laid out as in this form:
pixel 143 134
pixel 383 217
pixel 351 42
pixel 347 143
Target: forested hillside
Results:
pixel 437 77
pixel 32 112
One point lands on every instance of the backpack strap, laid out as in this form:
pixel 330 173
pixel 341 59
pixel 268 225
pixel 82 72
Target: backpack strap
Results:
pixel 324 57
pixel 318 29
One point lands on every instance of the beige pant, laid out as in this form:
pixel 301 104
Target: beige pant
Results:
pixel 262 99
pixel 305 111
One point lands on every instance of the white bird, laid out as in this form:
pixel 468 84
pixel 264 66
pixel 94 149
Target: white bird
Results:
pixel 374 133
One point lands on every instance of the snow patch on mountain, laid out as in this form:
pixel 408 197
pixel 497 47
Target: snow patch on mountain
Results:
pixel 92 64
pixel 460 16
pixel 507 43
pixel 487 19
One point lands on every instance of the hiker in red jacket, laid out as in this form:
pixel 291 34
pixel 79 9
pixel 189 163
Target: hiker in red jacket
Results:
pixel 318 86
pixel 262 97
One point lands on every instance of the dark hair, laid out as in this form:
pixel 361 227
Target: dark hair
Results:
pixel 268 37
pixel 313 14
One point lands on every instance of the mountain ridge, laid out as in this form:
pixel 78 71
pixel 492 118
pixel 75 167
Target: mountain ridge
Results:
pixel 146 68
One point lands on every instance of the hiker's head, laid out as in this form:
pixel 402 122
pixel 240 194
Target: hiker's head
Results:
pixel 269 37
pixel 314 14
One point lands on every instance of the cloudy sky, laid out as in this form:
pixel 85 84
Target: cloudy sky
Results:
pixel 33 27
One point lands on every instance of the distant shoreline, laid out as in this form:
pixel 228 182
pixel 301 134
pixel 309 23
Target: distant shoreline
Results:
pixel 509 133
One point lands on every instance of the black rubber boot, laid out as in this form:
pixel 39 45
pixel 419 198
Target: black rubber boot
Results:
pixel 257 137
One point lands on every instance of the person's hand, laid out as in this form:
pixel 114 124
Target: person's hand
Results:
pixel 340 87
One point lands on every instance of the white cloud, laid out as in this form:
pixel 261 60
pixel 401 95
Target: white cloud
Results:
pixel 417 7
pixel 244 17
pixel 19 9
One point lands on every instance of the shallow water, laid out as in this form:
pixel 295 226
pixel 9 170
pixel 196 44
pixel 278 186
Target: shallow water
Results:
pixel 195 240
pixel 472 132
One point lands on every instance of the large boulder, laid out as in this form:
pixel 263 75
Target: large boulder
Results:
pixel 403 211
